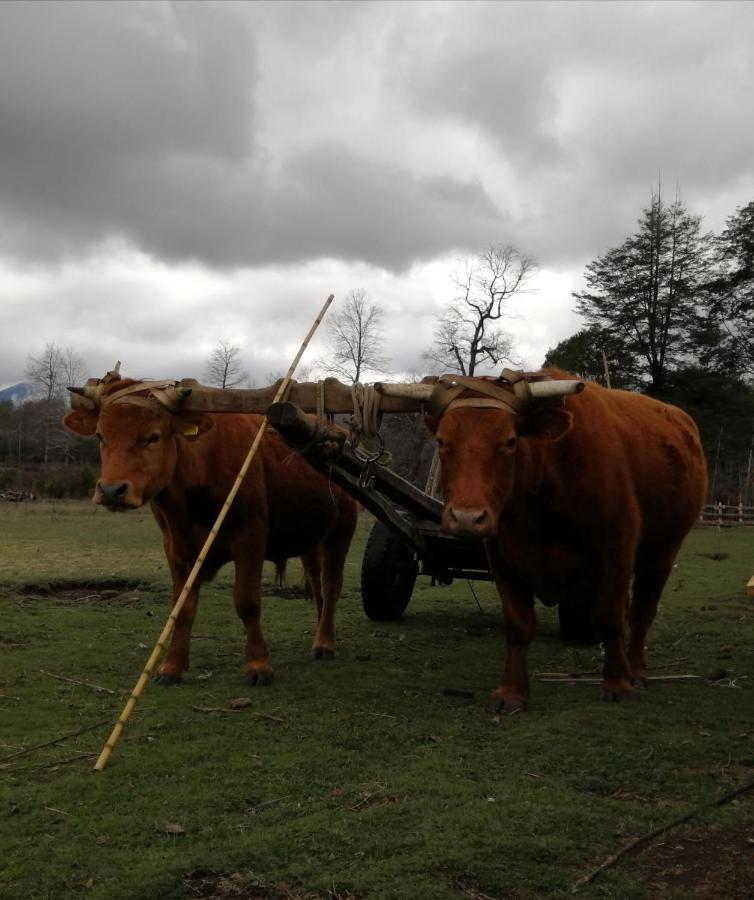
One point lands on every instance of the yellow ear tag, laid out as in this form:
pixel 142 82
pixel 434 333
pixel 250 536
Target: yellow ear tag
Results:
pixel 190 431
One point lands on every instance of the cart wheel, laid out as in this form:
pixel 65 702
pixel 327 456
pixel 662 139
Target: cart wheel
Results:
pixel 575 625
pixel 388 575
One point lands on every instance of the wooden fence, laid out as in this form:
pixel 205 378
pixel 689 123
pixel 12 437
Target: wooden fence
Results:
pixel 726 515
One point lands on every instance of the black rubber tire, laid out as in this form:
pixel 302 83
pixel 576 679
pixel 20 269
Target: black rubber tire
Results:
pixel 575 624
pixel 388 575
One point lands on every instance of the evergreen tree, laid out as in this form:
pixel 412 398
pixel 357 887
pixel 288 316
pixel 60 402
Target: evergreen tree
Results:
pixel 646 291
pixel 729 341
pixel 581 354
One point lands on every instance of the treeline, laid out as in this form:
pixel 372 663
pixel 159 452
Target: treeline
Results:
pixel 39 456
pixel 670 312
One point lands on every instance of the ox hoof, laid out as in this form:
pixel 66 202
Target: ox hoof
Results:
pixel 508 705
pixel 640 681
pixel 323 653
pixel 166 678
pixel 261 679
pixel 617 693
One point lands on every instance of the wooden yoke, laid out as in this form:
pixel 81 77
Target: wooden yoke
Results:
pixel 328 397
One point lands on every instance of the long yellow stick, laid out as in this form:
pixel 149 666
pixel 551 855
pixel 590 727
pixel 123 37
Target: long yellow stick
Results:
pixel 170 624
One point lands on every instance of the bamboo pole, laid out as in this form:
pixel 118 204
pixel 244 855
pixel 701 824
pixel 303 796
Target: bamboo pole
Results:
pixel 170 624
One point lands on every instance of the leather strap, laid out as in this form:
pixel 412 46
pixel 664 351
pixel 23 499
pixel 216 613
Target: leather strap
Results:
pixel 513 394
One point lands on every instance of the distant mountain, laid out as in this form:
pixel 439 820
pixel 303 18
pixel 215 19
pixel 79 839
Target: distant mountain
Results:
pixel 17 393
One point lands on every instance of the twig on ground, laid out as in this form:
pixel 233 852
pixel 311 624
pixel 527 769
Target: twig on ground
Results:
pixel 471 892
pixel 222 709
pixel 49 766
pixel 656 832
pixel 96 687
pixel 70 759
pixel 257 806
pixel 655 678
pixel 58 740
pixel 377 715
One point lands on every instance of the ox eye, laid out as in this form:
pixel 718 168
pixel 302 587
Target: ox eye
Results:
pixel 152 439
pixel 510 444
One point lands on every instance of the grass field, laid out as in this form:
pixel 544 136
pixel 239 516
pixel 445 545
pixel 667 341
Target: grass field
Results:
pixel 360 777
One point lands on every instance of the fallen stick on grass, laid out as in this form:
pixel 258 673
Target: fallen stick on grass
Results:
pixel 222 709
pixel 96 687
pixel 655 678
pixel 58 740
pixel 596 673
pixel 656 832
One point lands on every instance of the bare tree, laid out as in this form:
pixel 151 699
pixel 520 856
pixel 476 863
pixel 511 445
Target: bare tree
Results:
pixel 223 368
pixel 355 339
pixel 46 374
pixel 72 368
pixel 468 333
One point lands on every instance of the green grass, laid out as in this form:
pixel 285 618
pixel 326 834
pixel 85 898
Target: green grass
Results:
pixel 358 776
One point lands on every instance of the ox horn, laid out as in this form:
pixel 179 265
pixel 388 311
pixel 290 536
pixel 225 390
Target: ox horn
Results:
pixel 541 390
pixel 170 396
pixel 90 392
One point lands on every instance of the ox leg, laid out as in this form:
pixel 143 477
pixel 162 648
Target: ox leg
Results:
pixel 247 599
pixel 313 575
pixel 177 658
pixel 512 693
pixel 323 647
pixel 610 622
pixel 648 586
pixel 325 571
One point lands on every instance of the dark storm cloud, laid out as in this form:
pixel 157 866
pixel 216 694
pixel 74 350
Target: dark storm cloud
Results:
pixel 93 95
pixel 590 104
pixel 252 134
pixel 137 121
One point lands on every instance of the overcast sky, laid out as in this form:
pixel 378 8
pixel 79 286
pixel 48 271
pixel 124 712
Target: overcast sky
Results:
pixel 172 174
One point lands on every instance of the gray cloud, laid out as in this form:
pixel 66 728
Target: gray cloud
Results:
pixel 137 122
pixel 341 145
pixel 589 104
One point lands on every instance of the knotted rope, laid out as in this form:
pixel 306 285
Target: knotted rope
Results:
pixel 366 420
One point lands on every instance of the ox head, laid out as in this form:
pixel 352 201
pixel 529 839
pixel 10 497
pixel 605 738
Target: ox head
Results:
pixel 139 426
pixel 479 424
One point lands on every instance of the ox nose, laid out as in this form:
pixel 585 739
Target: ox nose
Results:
pixel 112 494
pixel 471 522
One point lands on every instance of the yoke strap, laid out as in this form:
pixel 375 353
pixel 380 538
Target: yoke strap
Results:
pixel 513 395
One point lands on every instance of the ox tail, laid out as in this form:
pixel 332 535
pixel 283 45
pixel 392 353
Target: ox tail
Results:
pixel 280 569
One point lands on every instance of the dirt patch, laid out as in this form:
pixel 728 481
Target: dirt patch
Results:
pixel 704 864
pixel 238 886
pixel 106 591
pixel 287 591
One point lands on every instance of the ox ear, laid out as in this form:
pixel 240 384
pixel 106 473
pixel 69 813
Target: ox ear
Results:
pixel 546 424
pixel 191 425
pixel 82 422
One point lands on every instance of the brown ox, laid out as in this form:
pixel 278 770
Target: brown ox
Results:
pixel 183 465
pixel 575 502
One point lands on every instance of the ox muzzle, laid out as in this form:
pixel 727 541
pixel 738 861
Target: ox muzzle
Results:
pixel 469 522
pixel 115 495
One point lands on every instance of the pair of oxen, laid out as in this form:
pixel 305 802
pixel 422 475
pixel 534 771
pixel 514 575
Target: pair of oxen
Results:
pixel 582 499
